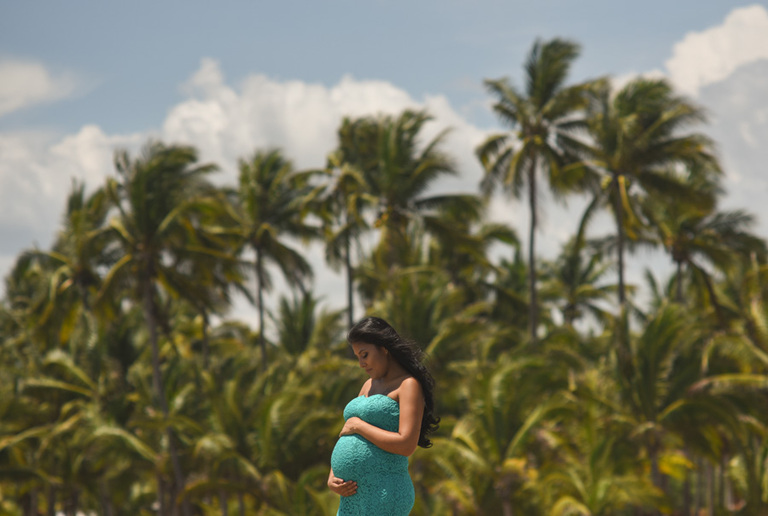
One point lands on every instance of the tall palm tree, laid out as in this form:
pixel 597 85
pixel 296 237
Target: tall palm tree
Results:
pixel 217 270
pixel 269 207
pixel 151 195
pixel 344 197
pixel 543 116
pixel 405 170
pixel 695 235
pixel 80 249
pixel 637 135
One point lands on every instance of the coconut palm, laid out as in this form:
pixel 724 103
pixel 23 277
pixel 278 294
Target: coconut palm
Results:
pixel 573 279
pixel 543 117
pixel 269 207
pixel 699 237
pixel 301 326
pixel 344 197
pixel 598 480
pixel 80 249
pixel 152 195
pixel 496 442
pixel 637 135
pixel 405 170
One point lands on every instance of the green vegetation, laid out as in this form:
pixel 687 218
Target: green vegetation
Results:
pixel 126 390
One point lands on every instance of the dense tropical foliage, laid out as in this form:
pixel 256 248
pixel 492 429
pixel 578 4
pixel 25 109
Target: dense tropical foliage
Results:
pixel 127 388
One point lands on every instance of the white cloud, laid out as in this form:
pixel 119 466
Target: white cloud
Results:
pixel 228 123
pixel 36 173
pixel 711 55
pixel 26 83
pixel 739 112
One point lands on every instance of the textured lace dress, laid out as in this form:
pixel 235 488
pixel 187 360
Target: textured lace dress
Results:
pixel 383 484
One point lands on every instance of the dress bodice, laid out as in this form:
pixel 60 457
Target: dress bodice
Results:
pixel 377 409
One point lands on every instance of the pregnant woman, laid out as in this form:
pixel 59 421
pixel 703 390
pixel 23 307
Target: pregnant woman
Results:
pixel 393 414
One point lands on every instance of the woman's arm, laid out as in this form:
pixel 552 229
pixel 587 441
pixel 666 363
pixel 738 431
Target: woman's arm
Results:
pixel 405 440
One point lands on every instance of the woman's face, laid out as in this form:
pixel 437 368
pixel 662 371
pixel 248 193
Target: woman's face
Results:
pixel 372 358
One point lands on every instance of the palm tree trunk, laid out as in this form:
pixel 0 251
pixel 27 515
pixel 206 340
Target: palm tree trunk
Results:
pixel 623 328
pixel 533 313
pixel 679 282
pixel 30 508
pixel 161 493
pixel 157 383
pixel 721 480
pixel 72 503
pixel 699 485
pixel 106 503
pixel 206 343
pixel 711 491
pixel 348 266
pixel 260 307
pixel 223 502
pixel 687 489
pixel 51 510
pixel 619 212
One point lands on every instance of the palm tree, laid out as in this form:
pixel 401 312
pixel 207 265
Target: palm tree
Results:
pixel 81 248
pixel 697 234
pixel 596 477
pixel 575 275
pixel 658 396
pixel 152 195
pixel 344 196
pixel 268 207
pixel 637 135
pixel 494 444
pixel 301 326
pixel 404 172
pixel 544 116
pixel 217 270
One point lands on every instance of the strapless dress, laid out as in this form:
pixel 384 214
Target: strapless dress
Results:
pixel 384 487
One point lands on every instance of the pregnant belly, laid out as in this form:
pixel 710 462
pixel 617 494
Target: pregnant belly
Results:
pixel 354 457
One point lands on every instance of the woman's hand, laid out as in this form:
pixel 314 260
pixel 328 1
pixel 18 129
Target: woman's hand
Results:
pixel 351 426
pixel 341 487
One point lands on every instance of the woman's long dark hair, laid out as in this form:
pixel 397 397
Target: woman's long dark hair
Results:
pixel 376 331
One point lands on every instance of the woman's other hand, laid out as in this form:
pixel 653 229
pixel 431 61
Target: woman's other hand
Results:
pixel 342 488
pixel 350 426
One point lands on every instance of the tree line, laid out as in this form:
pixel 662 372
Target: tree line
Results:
pixel 127 390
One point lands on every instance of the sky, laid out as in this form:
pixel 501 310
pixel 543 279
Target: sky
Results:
pixel 81 78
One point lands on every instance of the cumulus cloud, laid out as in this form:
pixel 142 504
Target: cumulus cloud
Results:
pixel 711 55
pixel 26 83
pixel 36 173
pixel 739 112
pixel 228 122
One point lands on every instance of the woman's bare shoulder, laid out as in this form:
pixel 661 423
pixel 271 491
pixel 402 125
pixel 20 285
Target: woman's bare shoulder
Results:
pixel 410 382
pixel 409 386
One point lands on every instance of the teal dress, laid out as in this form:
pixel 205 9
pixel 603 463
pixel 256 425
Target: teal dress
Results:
pixel 383 484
